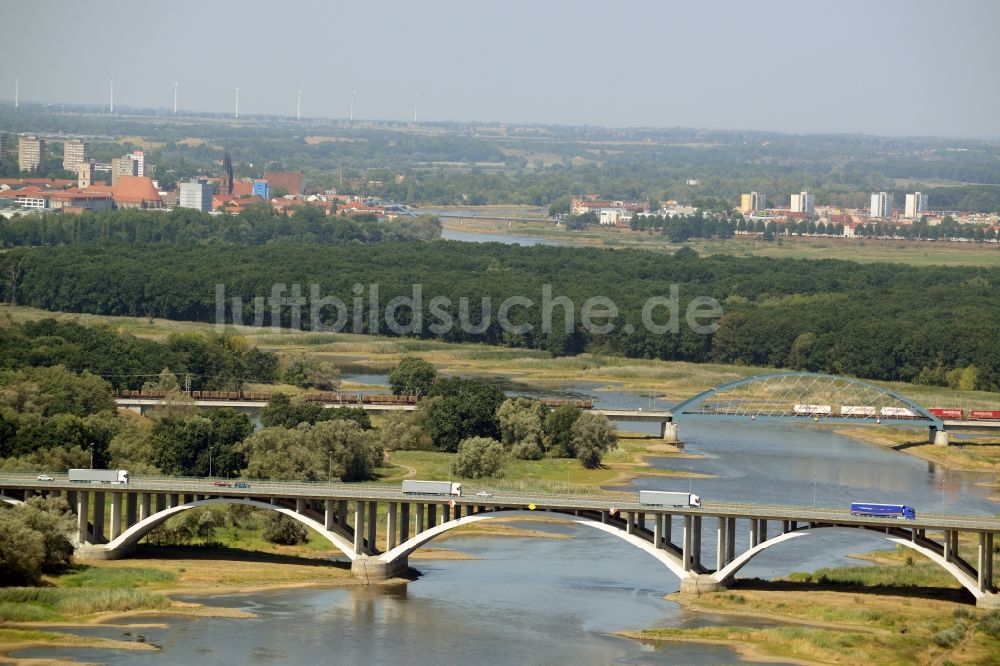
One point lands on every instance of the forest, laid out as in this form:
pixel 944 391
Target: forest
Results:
pixel 255 226
pixel 877 321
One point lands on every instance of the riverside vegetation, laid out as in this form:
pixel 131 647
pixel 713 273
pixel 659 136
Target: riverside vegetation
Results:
pixel 243 534
pixel 875 321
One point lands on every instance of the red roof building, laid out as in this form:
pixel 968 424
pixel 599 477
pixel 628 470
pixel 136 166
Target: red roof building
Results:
pixel 136 192
pixel 292 181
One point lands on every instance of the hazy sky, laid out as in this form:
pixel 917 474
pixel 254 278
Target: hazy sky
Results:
pixel 874 66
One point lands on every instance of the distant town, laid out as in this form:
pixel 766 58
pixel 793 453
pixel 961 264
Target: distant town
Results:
pixel 127 182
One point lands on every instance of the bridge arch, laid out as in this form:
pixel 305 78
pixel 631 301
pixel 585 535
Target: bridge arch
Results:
pixel 133 534
pixel 959 574
pixel 802 396
pixel 404 549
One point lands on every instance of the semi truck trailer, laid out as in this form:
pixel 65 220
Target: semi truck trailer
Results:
pixel 117 476
pixel 432 488
pixel 883 510
pixel 664 498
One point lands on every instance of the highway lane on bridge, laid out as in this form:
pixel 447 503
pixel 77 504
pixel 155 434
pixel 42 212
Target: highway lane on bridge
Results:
pixel 497 499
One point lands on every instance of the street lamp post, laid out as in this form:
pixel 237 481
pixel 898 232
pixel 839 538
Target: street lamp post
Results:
pixel 814 490
pixel 210 450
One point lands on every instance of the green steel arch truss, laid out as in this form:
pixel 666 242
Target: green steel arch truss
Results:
pixel 805 397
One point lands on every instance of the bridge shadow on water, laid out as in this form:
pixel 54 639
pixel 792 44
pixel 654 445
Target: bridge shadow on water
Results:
pixel 957 595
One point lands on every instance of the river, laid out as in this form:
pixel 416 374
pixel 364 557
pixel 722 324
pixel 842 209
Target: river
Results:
pixel 526 601
pixel 506 239
pixel 548 601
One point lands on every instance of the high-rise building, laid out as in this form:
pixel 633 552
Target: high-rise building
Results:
pixel 196 194
pixel 139 157
pixel 916 205
pixel 881 205
pixel 803 202
pixel 122 166
pixel 31 154
pixel 74 154
pixel 3 149
pixel 85 175
pixel 753 202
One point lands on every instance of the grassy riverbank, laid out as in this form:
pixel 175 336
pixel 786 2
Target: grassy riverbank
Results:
pixel 841 621
pixel 905 610
pixel 915 253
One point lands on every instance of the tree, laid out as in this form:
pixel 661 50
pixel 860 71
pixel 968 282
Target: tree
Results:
pixel 282 411
pixel 478 457
pixel 166 382
pixel 282 530
pixel 51 518
pixel 592 435
pixel 401 432
pixel 520 421
pixel 412 376
pixel 55 390
pixel 467 408
pixel 22 552
pixel 190 447
pixel 332 449
pixel 307 371
pixel 557 431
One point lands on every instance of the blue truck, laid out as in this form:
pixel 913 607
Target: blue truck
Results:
pixel 883 510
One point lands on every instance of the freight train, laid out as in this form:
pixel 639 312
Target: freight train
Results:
pixel 868 412
pixel 955 414
pixel 328 397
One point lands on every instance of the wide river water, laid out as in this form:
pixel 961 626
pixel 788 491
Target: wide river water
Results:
pixel 556 601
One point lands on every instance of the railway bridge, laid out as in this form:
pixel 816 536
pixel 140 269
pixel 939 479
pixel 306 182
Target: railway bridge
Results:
pixel 788 397
pixel 378 527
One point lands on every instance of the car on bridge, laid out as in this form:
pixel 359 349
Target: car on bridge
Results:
pixel 223 484
pixel 45 477
pixel 242 484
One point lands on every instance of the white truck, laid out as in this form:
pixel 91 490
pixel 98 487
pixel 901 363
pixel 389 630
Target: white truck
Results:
pixel 665 498
pixel 432 488
pixel 115 476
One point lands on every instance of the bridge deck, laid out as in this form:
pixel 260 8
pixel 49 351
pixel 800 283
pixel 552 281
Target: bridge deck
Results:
pixel 501 499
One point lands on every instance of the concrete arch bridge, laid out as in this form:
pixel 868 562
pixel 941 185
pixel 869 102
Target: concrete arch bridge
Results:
pixel 377 528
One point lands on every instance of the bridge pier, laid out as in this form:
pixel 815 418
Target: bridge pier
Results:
pixel 97 522
pixel 668 433
pixel 82 522
pixel 375 570
pixel 938 437
pixel 698 584
pixel 359 528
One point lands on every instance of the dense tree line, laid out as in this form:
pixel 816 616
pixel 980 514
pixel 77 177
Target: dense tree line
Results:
pixel 716 225
pixel 255 226
pixel 878 321
pixel 217 362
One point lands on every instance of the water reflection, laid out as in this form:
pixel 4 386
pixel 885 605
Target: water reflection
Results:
pixel 524 601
